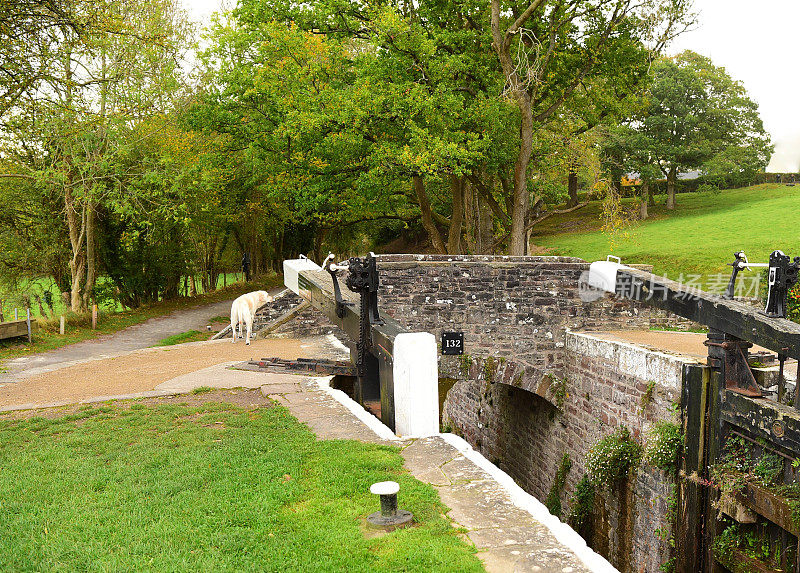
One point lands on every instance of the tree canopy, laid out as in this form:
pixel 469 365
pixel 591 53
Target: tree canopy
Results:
pixel 329 124
pixel 697 117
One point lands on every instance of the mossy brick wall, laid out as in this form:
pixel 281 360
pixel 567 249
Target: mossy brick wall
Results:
pixel 605 384
pixel 531 388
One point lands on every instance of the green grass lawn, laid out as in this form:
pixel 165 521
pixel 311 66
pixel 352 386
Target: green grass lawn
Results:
pixel 170 487
pixel 79 328
pixel 699 237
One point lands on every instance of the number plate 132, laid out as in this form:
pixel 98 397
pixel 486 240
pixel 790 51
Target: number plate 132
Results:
pixel 452 343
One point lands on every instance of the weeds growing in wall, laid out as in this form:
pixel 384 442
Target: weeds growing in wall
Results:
pixel 489 367
pixel 581 507
pixel 740 464
pixel 664 446
pixel 647 397
pixel 465 361
pixel 553 501
pixel 613 458
pixel 734 546
pixel 558 387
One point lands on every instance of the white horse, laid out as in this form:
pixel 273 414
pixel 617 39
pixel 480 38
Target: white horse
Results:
pixel 243 310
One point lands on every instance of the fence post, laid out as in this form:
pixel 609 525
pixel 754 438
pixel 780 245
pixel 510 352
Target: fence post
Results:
pixel 94 317
pixel 16 314
pixel 61 326
pixel 2 318
pixel 28 320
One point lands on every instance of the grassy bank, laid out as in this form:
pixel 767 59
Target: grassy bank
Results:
pixel 211 487
pixel 79 327
pixel 699 237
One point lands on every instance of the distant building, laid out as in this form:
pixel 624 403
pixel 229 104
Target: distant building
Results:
pixel 630 180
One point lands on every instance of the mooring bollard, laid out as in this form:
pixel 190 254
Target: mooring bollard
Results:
pixel 61 325
pixel 389 517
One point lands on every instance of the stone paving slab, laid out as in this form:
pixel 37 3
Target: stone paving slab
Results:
pixel 460 470
pixel 218 376
pixel 481 504
pixel 277 389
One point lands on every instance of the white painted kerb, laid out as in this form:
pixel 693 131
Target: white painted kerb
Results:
pixel 416 385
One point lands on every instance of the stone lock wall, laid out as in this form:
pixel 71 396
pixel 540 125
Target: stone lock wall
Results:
pixel 515 308
pixel 531 387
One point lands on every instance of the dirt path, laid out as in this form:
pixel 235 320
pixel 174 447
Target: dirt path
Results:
pixel 142 370
pixel 135 337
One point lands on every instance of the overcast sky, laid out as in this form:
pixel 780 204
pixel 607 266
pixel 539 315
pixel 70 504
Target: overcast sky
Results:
pixel 755 42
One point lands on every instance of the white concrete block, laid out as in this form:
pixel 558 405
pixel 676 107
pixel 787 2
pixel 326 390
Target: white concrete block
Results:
pixel 291 273
pixel 416 385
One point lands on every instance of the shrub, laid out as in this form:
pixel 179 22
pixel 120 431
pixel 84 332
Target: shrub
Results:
pixel 582 505
pixel 559 389
pixel 612 458
pixel 553 501
pixel 664 445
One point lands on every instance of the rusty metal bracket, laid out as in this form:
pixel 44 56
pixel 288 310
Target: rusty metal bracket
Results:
pixel 732 358
pixel 739 378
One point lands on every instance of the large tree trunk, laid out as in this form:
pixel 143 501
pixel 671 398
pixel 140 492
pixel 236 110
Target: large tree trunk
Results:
pixel 671 177
pixel 76 225
pixel 91 256
pixel 572 186
pixel 319 240
pixel 427 215
pixel 454 234
pixel 76 218
pixel 479 224
pixel 645 192
pixel 521 205
pixel 517 89
pixel 485 227
pixel 471 218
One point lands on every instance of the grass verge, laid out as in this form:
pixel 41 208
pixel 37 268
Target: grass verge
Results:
pixel 214 487
pixel 79 327
pixel 188 336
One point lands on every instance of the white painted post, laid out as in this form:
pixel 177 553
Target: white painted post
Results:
pixel 28 320
pixel 416 385
pixel 16 314
pixel 61 325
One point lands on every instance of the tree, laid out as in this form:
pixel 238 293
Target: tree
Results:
pixel 30 34
pixel 697 117
pixel 94 85
pixel 552 52
pixel 418 97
